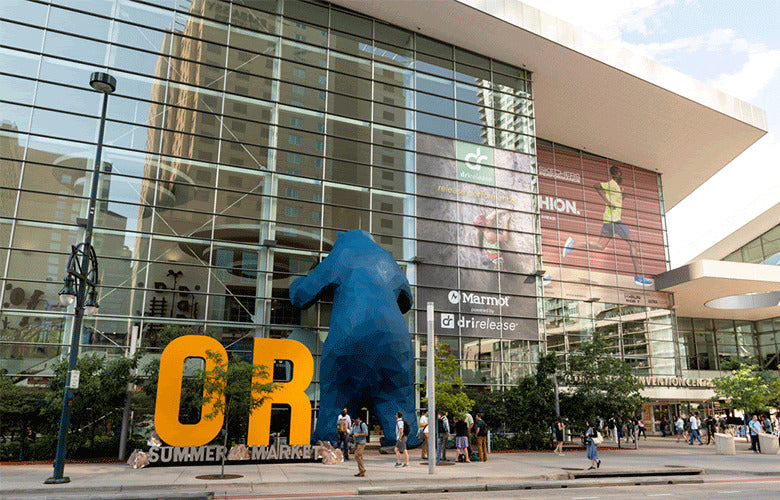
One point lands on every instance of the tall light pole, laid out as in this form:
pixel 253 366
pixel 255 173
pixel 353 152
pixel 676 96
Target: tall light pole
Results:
pixel 83 273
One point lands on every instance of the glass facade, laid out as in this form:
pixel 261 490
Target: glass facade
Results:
pixel 595 287
pixel 763 250
pixel 245 134
pixel 712 344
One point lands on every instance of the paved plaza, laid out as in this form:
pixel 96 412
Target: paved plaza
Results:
pixel 655 455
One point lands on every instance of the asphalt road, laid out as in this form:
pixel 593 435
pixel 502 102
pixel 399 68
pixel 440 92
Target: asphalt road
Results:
pixel 711 489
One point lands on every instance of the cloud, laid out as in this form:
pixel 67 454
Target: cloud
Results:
pixel 761 68
pixel 607 18
pixel 714 41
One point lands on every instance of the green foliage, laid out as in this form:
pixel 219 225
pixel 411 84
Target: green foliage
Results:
pixel 492 408
pixel 450 396
pixel 20 407
pixel 44 448
pixel 230 388
pixel 97 403
pixel 748 388
pixel 604 385
pixel 526 410
pixel 162 337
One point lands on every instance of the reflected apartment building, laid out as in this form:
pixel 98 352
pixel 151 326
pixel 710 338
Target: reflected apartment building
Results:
pixel 244 135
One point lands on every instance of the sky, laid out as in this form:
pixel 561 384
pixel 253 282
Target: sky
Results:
pixel 732 45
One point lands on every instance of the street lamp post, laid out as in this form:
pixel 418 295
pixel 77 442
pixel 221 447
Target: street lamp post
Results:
pixel 82 273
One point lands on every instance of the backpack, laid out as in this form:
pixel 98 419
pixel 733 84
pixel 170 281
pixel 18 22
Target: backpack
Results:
pixel 406 428
pixel 440 426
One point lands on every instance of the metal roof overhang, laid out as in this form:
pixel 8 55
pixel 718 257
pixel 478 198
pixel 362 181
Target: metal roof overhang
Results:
pixel 699 282
pixel 594 94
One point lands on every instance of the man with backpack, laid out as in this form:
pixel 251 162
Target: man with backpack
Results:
pixel 401 432
pixel 360 432
pixel 442 433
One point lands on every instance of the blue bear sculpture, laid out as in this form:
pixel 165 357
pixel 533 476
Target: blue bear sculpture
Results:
pixel 367 358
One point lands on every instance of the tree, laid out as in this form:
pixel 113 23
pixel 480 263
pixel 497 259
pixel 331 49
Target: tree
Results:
pixel 20 407
pixel 450 396
pixel 527 410
pixel 748 388
pixel 97 402
pixel 604 385
pixel 231 387
pixel 491 406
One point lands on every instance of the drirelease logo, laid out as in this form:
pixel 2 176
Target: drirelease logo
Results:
pixel 475 163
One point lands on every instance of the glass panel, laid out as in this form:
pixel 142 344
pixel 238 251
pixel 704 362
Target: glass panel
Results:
pixel 16 117
pixel 22 37
pixel 65 46
pixel 771 246
pixel 39 334
pixel 77 22
pixel 24 12
pixel 24 64
pixel 305 11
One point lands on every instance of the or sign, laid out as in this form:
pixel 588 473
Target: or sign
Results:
pixel 266 352
pixel 73 383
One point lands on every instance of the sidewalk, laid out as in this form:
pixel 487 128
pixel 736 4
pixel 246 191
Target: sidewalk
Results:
pixel 315 478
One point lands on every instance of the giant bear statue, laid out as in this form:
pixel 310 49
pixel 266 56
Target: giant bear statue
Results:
pixel 367 359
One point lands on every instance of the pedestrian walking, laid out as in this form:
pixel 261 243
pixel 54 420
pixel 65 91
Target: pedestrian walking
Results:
pixel 591 448
pixel 401 432
pixel 679 427
pixel 640 428
pixel 711 425
pixel 694 423
pixel 558 437
pixel 360 433
pixel 462 439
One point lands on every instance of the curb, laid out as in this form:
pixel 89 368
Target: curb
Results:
pixel 350 482
pixel 529 485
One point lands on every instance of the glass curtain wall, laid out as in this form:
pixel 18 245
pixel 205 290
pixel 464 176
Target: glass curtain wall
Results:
pixel 243 135
pixel 714 344
pixel 594 270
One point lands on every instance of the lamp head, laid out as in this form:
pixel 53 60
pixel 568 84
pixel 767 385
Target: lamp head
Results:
pixel 102 82
pixel 91 305
pixel 67 294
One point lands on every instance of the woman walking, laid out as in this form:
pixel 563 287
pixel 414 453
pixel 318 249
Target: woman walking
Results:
pixel 462 439
pixel 590 448
pixel 558 437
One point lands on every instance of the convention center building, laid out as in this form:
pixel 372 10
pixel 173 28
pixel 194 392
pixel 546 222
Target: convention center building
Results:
pixel 516 167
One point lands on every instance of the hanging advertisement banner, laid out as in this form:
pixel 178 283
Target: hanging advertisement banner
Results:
pixel 601 228
pixel 475 239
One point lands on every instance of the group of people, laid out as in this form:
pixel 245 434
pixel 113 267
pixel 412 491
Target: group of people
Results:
pixel 465 427
pixel 691 427
pixel 590 438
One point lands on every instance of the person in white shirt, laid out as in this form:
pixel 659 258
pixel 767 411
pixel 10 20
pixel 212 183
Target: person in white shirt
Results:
pixel 400 441
pixel 343 427
pixel 424 430
pixel 695 429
